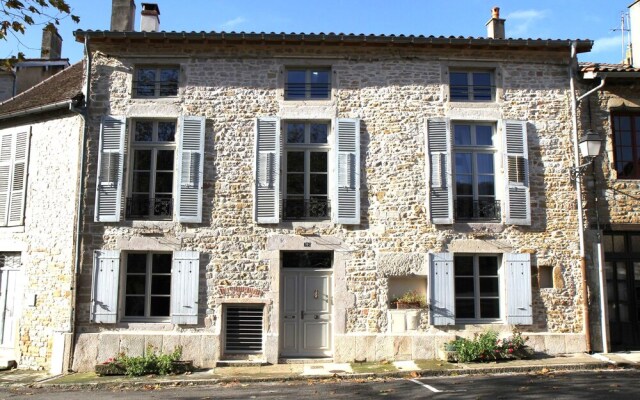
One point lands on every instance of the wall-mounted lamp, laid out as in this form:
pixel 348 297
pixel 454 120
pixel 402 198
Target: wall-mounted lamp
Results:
pixel 589 144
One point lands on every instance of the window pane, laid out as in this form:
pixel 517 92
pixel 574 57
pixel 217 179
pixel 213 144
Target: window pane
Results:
pixel 295 161
pixel 160 306
pixel 463 163
pixel 607 243
pixel 489 308
pixel 465 308
pixel 485 163
pixel 458 85
pixel 319 161
pixel 134 306
pixel 136 284
pixel 141 182
pixel 488 265
pixel 306 259
pixel 295 184
pixel 169 82
pixel 463 265
pixel 164 182
pixel 486 185
pixel 296 87
pixel 146 82
pixel 623 123
pixel 318 183
pixel 166 131
pixel 142 160
pixel 320 84
pixel 489 287
pixel 618 244
pixel 161 284
pixel 481 86
pixel 623 138
pixel 464 287
pixel 462 135
pixel 165 160
pixel 464 185
pixel 635 245
pixel 144 131
pixel 484 135
pixel 319 133
pixel 162 263
pixel 295 133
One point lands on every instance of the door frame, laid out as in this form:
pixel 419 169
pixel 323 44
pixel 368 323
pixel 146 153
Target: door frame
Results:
pixel 11 350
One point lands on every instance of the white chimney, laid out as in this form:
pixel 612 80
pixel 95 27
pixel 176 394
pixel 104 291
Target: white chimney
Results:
pixel 495 26
pixel 634 17
pixel 150 19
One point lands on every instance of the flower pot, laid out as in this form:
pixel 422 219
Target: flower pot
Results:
pixel 180 367
pixel 404 306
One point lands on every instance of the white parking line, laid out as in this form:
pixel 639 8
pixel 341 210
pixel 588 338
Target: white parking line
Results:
pixel 434 390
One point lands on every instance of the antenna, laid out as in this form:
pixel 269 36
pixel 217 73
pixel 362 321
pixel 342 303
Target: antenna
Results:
pixel 626 43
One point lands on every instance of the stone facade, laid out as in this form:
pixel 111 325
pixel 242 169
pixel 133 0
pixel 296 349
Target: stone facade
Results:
pixel 393 92
pixel 44 295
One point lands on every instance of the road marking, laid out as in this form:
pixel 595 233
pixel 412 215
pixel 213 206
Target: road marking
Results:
pixel 434 390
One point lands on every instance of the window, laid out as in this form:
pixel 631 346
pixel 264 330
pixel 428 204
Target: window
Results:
pixel 626 141
pixel 151 189
pixel 306 187
pixel 153 81
pixel 474 173
pixel 148 285
pixel 477 294
pixel 307 84
pixel 471 86
pixel 14 154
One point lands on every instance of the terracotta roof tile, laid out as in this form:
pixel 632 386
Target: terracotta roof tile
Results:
pixel 604 67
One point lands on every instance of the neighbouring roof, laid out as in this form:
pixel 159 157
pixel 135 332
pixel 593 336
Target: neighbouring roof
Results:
pixel 331 38
pixel 592 70
pixel 64 86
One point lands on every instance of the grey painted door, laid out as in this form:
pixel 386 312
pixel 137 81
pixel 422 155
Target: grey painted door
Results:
pixel 9 295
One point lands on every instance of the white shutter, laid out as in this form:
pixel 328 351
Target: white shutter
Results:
pixel 516 167
pixel 185 275
pixel 110 169
pixel 6 162
pixel 519 300
pixel 19 177
pixel 190 167
pixel 104 288
pixel 441 289
pixel 266 196
pixel 346 202
pixel 439 163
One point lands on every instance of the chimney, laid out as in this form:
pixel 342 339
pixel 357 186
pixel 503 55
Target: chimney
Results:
pixel 634 21
pixel 495 26
pixel 150 19
pixel 51 44
pixel 123 15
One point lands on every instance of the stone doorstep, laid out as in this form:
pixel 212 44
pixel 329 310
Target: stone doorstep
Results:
pixel 241 363
pixel 304 360
pixel 327 369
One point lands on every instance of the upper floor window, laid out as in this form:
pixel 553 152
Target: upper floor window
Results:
pixel 306 188
pixel 471 86
pixel 626 142
pixel 14 158
pixel 307 84
pixel 151 81
pixel 474 173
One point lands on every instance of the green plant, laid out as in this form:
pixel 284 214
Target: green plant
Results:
pixel 487 347
pixel 150 362
pixel 412 297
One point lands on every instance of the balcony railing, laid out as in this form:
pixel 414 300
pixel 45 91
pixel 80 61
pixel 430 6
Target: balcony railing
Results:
pixel 149 208
pixel 300 91
pixel 300 209
pixel 477 210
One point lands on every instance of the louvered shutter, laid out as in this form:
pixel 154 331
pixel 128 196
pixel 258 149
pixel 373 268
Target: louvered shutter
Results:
pixel 519 300
pixel 266 197
pixel 185 275
pixel 19 177
pixel 6 162
pixel 440 186
pixel 346 203
pixel 190 170
pixel 516 167
pixel 104 288
pixel 441 289
pixel 110 169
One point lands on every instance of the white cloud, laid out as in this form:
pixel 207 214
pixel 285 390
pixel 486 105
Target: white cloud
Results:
pixel 232 23
pixel 605 44
pixel 521 21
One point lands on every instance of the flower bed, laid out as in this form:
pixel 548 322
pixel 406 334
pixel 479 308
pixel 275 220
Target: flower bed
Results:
pixel 150 363
pixel 487 347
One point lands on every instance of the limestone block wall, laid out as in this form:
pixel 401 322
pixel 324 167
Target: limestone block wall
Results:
pixel 46 240
pixel 393 93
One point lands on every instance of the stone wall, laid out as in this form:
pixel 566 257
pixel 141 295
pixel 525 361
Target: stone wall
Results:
pixel 47 238
pixel 393 92
pixel 6 84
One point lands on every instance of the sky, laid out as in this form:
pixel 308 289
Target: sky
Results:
pixel 547 19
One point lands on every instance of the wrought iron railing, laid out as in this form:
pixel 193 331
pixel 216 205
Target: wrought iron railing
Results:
pixel 149 208
pixel 146 88
pixel 309 209
pixel 294 91
pixel 476 210
pixel 471 92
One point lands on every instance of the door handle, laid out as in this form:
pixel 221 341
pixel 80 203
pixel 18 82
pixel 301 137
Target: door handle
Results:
pixel 301 314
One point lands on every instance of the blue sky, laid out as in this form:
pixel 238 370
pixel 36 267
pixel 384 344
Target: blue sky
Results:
pixel 548 19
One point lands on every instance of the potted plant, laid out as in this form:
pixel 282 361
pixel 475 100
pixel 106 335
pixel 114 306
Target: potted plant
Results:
pixel 410 299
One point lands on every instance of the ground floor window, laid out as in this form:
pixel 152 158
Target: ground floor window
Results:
pixel 148 285
pixel 477 294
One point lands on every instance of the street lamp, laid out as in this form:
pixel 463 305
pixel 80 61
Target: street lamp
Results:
pixel 589 144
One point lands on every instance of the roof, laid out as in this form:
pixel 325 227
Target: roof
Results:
pixel 64 86
pixel 331 38
pixel 592 70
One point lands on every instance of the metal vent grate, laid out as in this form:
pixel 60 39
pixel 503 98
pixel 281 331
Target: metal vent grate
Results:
pixel 243 330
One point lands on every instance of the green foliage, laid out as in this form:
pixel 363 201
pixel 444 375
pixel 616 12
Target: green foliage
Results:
pixel 412 297
pixel 487 347
pixel 150 362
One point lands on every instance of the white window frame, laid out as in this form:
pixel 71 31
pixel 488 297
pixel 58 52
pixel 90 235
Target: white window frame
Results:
pixel 307 147
pixel 475 149
pixel 157 83
pixel 307 81
pixel 470 86
pixel 148 282
pixel 154 145
pixel 476 284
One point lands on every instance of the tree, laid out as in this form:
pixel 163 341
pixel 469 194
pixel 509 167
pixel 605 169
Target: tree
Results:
pixel 17 15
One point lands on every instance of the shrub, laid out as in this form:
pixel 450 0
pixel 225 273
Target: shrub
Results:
pixel 487 347
pixel 150 362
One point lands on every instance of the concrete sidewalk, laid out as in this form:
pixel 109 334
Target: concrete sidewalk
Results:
pixel 288 372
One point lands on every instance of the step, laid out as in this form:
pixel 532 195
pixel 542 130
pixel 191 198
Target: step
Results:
pixel 241 363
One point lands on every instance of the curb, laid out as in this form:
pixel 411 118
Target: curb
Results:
pixel 293 378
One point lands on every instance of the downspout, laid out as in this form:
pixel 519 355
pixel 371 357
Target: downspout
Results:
pixel 84 113
pixel 578 181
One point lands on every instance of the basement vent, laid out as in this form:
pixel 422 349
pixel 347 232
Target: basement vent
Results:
pixel 243 329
